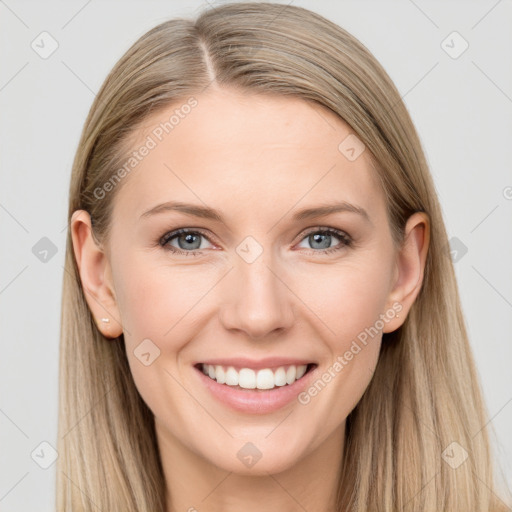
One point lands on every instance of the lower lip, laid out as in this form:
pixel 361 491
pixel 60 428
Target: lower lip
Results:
pixel 256 401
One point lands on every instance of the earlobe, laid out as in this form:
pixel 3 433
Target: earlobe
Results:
pixel 410 267
pixel 93 267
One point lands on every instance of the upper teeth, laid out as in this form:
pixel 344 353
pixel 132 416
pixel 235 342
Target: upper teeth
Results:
pixel 251 379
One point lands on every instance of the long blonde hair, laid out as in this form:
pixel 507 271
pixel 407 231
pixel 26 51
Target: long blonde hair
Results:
pixel 424 394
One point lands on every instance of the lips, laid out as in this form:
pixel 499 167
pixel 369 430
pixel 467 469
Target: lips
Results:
pixel 267 388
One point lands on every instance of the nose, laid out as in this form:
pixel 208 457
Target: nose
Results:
pixel 260 302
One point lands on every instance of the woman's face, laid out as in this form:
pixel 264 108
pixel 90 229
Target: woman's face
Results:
pixel 262 286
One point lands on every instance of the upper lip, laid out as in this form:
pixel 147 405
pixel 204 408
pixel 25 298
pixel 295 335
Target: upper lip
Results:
pixel 267 362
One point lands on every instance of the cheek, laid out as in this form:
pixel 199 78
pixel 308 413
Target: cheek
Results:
pixel 155 298
pixel 159 302
pixel 350 300
pixel 347 298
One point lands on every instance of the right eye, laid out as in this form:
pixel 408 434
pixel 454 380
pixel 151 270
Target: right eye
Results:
pixel 188 241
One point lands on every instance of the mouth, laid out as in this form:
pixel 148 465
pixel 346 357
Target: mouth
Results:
pixel 252 379
pixel 255 386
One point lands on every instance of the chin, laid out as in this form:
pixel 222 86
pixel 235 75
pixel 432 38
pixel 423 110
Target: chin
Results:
pixel 254 459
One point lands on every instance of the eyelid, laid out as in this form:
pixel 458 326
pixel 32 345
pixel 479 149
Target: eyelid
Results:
pixel 325 229
pixel 180 231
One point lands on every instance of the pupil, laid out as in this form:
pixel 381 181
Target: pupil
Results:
pixel 326 242
pixel 189 238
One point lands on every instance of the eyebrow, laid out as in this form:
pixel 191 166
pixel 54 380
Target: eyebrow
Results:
pixel 206 212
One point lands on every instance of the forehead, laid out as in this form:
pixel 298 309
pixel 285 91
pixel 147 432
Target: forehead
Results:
pixel 248 151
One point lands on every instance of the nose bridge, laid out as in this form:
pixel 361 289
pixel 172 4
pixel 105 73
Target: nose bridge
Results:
pixel 260 301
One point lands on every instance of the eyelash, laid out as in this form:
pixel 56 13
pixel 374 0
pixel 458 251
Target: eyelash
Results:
pixel 345 240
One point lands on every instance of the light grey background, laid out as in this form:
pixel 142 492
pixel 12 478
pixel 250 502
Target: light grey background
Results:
pixel 462 108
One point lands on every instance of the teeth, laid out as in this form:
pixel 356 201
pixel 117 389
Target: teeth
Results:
pixel 232 377
pixel 247 378
pixel 280 377
pixel 301 370
pixel 291 374
pixel 265 379
pixel 255 379
pixel 220 374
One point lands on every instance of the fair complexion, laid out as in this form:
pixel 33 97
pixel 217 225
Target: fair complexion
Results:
pixel 257 160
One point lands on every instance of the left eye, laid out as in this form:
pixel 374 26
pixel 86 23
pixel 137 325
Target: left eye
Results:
pixel 322 238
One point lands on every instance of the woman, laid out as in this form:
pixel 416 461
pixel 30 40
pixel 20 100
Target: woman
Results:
pixel 213 356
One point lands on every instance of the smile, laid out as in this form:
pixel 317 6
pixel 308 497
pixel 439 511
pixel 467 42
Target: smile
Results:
pixel 248 378
pixel 254 386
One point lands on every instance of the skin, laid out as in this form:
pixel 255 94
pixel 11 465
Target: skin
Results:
pixel 257 159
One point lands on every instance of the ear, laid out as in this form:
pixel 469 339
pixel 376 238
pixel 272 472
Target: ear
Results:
pixel 410 268
pixel 94 269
